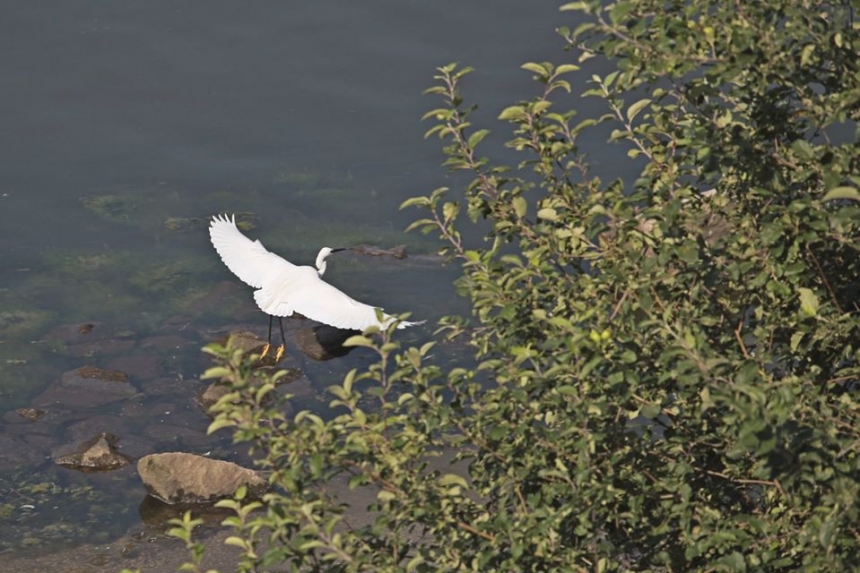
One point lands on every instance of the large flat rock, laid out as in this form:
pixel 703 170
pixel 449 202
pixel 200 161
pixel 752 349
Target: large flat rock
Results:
pixel 86 387
pixel 176 477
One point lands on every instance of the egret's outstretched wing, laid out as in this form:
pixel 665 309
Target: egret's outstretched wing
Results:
pixel 249 260
pixel 318 300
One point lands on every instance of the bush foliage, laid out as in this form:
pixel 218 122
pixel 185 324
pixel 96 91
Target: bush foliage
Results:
pixel 666 369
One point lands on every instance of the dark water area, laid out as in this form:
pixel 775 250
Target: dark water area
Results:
pixel 127 124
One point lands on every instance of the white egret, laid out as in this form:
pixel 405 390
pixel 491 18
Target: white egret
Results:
pixel 284 288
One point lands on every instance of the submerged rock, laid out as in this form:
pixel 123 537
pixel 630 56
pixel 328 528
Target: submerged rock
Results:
pixel 244 340
pixel 177 477
pixel 398 252
pixel 16 322
pixel 116 208
pixel 324 342
pixel 78 332
pixel 143 366
pixel 16 453
pixel 155 513
pixel 100 347
pixel 96 454
pixel 87 387
pixel 30 414
pixel 89 339
pixel 210 396
pixel 217 390
pixel 95 373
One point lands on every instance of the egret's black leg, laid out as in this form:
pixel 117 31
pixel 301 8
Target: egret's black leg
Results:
pixel 283 345
pixel 268 339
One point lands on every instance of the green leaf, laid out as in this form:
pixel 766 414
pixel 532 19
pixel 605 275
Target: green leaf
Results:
pixel 514 113
pixel 217 372
pixel 219 423
pixel 795 340
pixel 634 109
pixel 450 210
pixel 650 411
pixel 520 206
pixel 415 202
pixel 359 340
pixel 566 68
pixel 844 192
pixel 477 137
pixel 808 302
pixel 574 6
pixel 452 479
pixel 536 68
pixel 548 214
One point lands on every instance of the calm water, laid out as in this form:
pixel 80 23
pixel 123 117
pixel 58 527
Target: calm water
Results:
pixel 125 124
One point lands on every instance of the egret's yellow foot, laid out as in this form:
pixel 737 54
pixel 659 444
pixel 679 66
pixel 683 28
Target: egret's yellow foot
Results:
pixel 280 353
pixel 265 351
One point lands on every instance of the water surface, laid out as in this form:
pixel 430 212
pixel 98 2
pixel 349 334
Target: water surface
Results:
pixel 127 124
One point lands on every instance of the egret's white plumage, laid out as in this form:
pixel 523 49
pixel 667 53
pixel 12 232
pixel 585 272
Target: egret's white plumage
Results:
pixel 284 288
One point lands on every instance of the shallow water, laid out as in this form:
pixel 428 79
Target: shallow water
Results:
pixel 127 124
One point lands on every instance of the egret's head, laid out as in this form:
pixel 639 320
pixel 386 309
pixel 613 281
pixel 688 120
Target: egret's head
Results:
pixel 321 257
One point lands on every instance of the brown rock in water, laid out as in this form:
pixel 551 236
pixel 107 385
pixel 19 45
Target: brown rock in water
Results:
pixel 172 436
pixel 93 373
pixel 324 342
pixel 208 397
pixel 30 414
pixel 143 366
pixel 76 333
pixel 87 387
pixel 245 341
pixel 96 454
pixel 177 477
pixel 398 252
pixel 90 339
pixel 217 390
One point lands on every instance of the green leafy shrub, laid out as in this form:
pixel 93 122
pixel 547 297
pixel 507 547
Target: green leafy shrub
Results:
pixel 667 368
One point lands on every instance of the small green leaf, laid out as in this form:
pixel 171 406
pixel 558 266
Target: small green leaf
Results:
pixel 477 137
pixel 452 479
pixel 513 113
pixel 216 372
pixel 548 214
pixel 634 109
pixel 650 411
pixel 574 6
pixel 218 424
pixel 539 69
pixel 844 192
pixel 566 68
pixel 795 340
pixel 358 340
pixel 415 201
pixel 808 302
pixel 520 206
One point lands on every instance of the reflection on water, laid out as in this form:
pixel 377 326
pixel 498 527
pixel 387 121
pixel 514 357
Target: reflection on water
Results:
pixel 126 126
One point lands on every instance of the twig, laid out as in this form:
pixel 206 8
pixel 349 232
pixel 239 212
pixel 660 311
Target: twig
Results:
pixel 740 339
pixel 824 278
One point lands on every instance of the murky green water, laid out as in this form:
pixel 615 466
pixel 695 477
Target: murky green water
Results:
pixel 127 125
